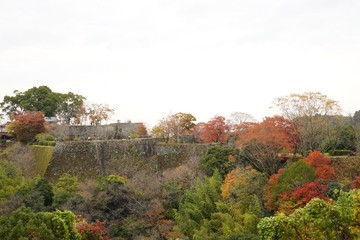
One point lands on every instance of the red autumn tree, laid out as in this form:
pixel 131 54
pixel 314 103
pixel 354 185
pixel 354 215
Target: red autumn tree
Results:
pixel 269 196
pixel 265 144
pixel 91 231
pixel 27 125
pixel 320 163
pixel 214 131
pixel 300 196
pixel 298 183
pixel 356 183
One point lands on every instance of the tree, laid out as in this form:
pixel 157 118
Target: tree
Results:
pixel 299 182
pixel 321 165
pixel 10 180
pixel 141 130
pixel 346 138
pixel 25 224
pixel 317 220
pixel 265 145
pixel 310 112
pixel 34 99
pixel 70 107
pixel 174 125
pixel 220 158
pixel 98 113
pixel 356 118
pixel 214 131
pixel 198 204
pixel 244 186
pixel 27 125
pixel 238 118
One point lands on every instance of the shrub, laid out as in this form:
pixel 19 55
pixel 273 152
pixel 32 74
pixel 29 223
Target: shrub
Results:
pixel 44 137
pixel 340 152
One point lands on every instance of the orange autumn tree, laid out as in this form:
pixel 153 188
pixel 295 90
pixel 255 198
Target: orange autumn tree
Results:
pixel 265 145
pixel 141 130
pixel 174 125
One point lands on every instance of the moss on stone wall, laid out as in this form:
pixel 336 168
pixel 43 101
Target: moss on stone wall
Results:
pixel 42 156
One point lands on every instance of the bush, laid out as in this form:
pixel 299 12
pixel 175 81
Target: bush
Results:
pixel 46 143
pixel 44 137
pixel 340 152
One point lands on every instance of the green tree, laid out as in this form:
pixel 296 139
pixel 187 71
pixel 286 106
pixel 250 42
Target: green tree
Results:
pixel 10 180
pixel 65 190
pixel 43 99
pixel 317 220
pixel 347 138
pixel 40 99
pixel 198 204
pixel 69 107
pixel 25 224
pixel 221 158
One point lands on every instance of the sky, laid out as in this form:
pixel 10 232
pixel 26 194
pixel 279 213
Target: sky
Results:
pixel 151 58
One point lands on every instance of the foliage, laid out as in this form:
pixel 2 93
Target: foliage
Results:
pixel 221 158
pixel 214 131
pixel 347 138
pixel 287 180
pixel 27 125
pixel 265 144
pixel 44 187
pixel 141 130
pixel 65 191
pixel 356 118
pixel 173 191
pixel 37 99
pixel 70 107
pixel 91 231
pixel 198 204
pixel 25 224
pixel 320 163
pixel 10 180
pixel 44 137
pixel 174 125
pixel 114 179
pixel 43 99
pixel 98 113
pixel 299 182
pixel 313 113
pixel 306 104
pixel 203 214
pixel 243 185
pixel 340 152
pixel 317 220
pixel 294 176
pixel 356 183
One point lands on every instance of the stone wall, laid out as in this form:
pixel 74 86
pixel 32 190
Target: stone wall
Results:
pixel 90 159
pixel 100 132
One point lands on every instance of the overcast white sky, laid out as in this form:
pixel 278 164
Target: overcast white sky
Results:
pixel 148 58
